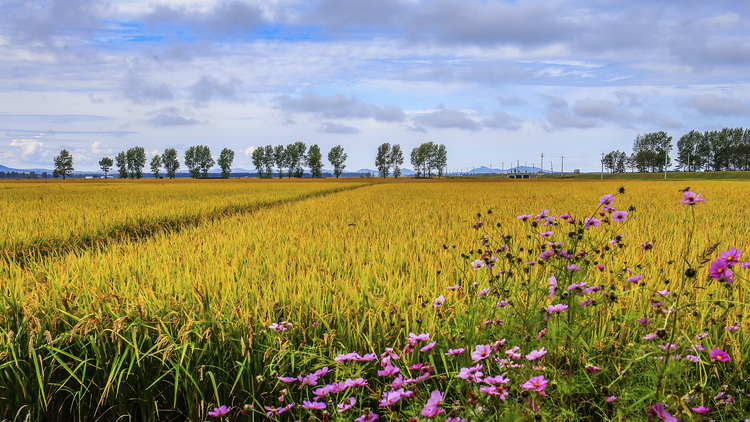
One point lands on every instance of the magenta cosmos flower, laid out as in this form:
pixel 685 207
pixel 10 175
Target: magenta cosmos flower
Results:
pixel 690 198
pixel 432 408
pixel 219 411
pixel 731 257
pixel 536 354
pixel 369 417
pixel 701 409
pixel 620 216
pixel 535 383
pixel 719 355
pixel 458 351
pixel 312 405
pixel 663 414
pixel 557 308
pixel 607 199
pixel 481 352
pixel 720 271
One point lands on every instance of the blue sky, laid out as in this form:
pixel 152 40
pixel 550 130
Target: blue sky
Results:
pixel 495 81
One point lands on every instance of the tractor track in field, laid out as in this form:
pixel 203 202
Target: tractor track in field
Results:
pixel 25 253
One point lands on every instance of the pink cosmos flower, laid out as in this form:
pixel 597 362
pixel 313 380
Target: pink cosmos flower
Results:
pixel 536 354
pixel 607 199
pixel 619 216
pixel 663 414
pixel 634 279
pixel 219 411
pixel 370 417
pixel 589 222
pixel 359 382
pixel 590 369
pixel 477 264
pixel 391 397
pixel 719 355
pixel 745 264
pixel 438 302
pixel 481 352
pixel 663 292
pixel 458 351
pixel 720 271
pixel 388 370
pixel 690 198
pixel 535 383
pixel 499 379
pixel 701 409
pixel 731 257
pixel 432 407
pixel 287 379
pixel 428 347
pixel 313 405
pixel 557 308
pixel 343 407
pixel 610 399
pixel 647 246
pixel 651 336
pixel 644 321
pixel 456 287
pixel 572 267
pixel 546 234
pixel 473 373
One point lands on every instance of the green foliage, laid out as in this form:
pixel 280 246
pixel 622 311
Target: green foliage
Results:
pixel 337 157
pixel 428 157
pixel 122 165
pixel 198 160
pixel 171 162
pixel 396 160
pixel 225 162
pixel 280 157
pixel 314 160
pixel 136 160
pixel 63 164
pixel 382 159
pixel 105 164
pixel 156 165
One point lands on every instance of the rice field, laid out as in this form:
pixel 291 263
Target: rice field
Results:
pixel 229 310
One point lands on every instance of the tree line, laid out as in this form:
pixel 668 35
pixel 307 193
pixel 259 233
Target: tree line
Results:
pixel 427 159
pixel 714 150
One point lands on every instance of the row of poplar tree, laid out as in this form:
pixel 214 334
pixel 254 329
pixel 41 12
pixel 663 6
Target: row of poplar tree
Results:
pixel 425 158
pixel 198 161
pixel 714 150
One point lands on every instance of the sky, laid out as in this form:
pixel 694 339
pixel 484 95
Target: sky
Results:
pixel 497 82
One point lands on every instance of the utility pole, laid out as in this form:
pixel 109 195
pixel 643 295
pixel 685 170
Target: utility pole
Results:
pixel 503 170
pixel 602 165
pixel 562 165
pixel 551 170
pixel 541 164
pixel 518 164
pixel 490 170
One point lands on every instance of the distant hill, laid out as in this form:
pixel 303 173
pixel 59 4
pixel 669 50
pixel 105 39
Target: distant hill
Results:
pixel 7 169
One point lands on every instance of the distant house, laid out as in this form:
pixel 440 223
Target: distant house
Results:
pixel 577 171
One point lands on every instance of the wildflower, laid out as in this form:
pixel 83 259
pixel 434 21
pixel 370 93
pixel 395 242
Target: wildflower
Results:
pixel 481 352
pixel 496 380
pixel 719 270
pixel 536 354
pixel 663 292
pixel 219 411
pixel 619 216
pixel 343 407
pixel 369 417
pixel 557 308
pixel 651 336
pixel 359 382
pixel 610 399
pixel 647 246
pixel 513 353
pixel 438 302
pixel 391 397
pixel 483 292
pixel 525 217
pixel 535 383
pixel 456 287
pixel 312 405
pixel 663 414
pixel 690 198
pixel 413 338
pixel 607 199
pixel 477 264
pixel 282 326
pixel 644 321
pixel 546 234
pixel 388 370
pixel 478 225
pixel 719 355
pixel 634 279
pixel 432 407
pixel 731 257
pixel 693 358
pixel 287 379
pixel 701 409
pixel 472 373
pixel 732 328
pixel 428 347
pixel 589 222
pixel 745 264
pixel 590 369
pixel 572 267
pixel 451 352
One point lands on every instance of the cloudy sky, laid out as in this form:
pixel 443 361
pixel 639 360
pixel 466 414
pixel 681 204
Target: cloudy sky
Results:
pixel 495 81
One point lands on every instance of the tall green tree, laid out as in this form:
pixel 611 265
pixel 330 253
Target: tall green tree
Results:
pixel 105 164
pixel 63 164
pixel 269 160
pixel 225 162
pixel 396 160
pixel 296 156
pixel 440 159
pixel 314 160
pixel 382 159
pixel 136 158
pixel 192 162
pixel 337 157
pixel 171 162
pixel 688 155
pixel 417 160
pixel 156 165
pixel 259 161
pixel 279 156
pixel 198 160
pixel 122 165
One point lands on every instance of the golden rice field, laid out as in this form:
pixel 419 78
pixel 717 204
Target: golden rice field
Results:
pixel 356 269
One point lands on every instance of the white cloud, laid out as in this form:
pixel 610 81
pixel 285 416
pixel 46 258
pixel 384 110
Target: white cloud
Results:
pixel 249 151
pixel 31 150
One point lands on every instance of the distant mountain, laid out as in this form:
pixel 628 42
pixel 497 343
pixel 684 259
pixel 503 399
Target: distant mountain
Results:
pixel 487 170
pixel 6 169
